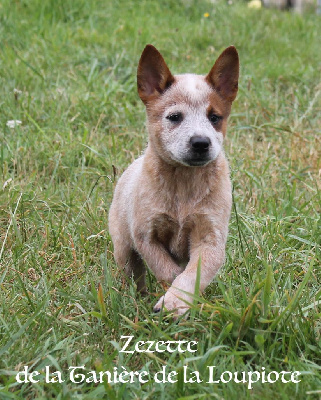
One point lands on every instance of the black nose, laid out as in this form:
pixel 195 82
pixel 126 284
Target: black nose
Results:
pixel 200 144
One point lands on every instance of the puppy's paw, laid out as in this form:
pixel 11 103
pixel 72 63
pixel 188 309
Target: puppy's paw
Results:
pixel 172 302
pixel 159 305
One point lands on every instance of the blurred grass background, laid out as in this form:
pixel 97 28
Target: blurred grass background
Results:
pixel 68 73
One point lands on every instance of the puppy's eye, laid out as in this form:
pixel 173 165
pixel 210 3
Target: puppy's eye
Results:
pixel 175 117
pixel 214 118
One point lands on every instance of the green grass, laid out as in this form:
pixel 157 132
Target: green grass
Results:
pixel 63 302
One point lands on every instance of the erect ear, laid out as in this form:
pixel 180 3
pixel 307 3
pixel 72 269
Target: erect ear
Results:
pixel 225 74
pixel 153 75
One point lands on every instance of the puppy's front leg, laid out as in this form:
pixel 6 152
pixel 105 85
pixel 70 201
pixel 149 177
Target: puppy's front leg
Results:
pixel 159 260
pixel 211 254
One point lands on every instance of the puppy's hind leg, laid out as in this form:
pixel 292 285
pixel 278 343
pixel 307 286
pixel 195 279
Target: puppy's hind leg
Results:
pixel 132 264
pixel 136 267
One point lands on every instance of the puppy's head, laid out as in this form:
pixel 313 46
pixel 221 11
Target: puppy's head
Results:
pixel 187 114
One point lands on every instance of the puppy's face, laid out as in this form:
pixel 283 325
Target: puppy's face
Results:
pixel 187 114
pixel 188 122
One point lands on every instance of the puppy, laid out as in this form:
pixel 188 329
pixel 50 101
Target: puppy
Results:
pixel 171 207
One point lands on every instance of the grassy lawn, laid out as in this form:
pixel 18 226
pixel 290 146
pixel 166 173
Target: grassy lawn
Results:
pixel 68 73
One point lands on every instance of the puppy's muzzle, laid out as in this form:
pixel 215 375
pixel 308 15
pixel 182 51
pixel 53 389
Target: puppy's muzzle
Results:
pixel 200 144
pixel 199 152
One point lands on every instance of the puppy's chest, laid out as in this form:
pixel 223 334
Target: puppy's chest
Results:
pixel 173 234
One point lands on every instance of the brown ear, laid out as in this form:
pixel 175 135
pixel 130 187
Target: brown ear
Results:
pixel 153 75
pixel 225 74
